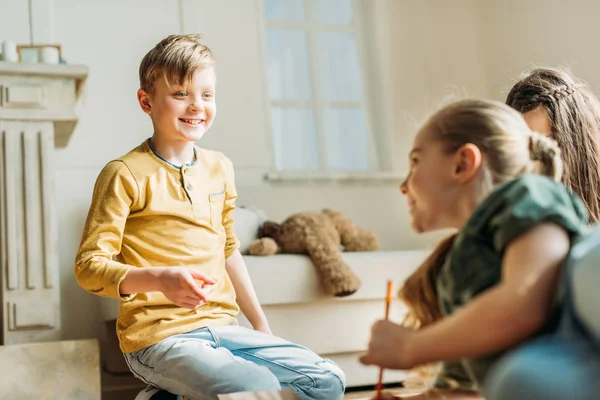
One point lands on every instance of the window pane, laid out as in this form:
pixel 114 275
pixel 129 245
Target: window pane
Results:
pixel 346 139
pixel 295 137
pixel 338 12
pixel 288 70
pixel 289 10
pixel 339 73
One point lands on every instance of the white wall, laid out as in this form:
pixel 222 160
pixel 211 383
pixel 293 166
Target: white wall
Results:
pixel 430 54
pixel 421 52
pixel 522 34
pixel 14 21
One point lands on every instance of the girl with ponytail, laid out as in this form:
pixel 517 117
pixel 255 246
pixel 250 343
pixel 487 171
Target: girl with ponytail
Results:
pixel 477 167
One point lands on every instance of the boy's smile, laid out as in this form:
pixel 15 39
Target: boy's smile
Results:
pixel 193 122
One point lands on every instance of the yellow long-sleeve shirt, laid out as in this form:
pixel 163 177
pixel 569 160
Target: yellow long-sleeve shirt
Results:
pixel 146 212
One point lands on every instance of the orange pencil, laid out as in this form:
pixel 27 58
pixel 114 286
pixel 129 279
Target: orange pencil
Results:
pixel 388 300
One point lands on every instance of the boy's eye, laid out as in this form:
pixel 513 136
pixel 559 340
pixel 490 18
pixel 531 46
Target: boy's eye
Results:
pixel 180 94
pixel 207 95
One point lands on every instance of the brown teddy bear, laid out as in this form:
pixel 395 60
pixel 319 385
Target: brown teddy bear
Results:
pixel 322 236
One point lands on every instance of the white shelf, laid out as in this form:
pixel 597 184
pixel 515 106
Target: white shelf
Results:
pixel 61 70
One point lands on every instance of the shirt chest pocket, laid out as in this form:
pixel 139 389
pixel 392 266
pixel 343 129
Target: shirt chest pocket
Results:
pixel 216 201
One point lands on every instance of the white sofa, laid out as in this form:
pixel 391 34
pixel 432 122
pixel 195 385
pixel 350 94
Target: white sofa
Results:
pixel 289 290
pixel 336 328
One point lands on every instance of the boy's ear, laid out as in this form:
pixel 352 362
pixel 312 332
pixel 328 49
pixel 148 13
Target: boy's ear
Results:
pixel 468 159
pixel 144 100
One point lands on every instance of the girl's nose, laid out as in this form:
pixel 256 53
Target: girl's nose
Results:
pixel 403 188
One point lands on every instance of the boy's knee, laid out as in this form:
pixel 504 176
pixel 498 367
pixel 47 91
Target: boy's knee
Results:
pixel 334 384
pixel 335 379
pixel 328 384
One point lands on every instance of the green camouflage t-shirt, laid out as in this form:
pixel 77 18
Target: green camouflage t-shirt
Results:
pixel 474 263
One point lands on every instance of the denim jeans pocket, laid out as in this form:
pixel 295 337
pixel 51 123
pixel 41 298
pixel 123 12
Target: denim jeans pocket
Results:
pixel 152 356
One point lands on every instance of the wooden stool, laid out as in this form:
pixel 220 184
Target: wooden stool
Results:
pixel 154 393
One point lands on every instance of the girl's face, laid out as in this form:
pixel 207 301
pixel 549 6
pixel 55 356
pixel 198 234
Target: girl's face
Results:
pixel 430 187
pixel 538 121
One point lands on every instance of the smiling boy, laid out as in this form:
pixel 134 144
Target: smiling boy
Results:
pixel 160 237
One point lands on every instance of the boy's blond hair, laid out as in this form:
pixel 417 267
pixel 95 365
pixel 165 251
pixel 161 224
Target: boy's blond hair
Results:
pixel 177 58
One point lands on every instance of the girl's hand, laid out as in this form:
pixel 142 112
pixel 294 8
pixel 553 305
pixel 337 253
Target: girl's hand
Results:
pixel 178 285
pixel 390 346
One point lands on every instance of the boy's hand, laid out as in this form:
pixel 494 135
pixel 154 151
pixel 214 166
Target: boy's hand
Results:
pixel 179 286
pixel 389 346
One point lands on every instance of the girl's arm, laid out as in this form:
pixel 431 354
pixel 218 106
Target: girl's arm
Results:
pixel 497 319
pixel 245 294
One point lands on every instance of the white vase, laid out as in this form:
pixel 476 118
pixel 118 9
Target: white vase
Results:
pixel 49 55
pixel 9 51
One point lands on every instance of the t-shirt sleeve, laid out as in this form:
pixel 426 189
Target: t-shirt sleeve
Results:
pixel 531 200
pixel 114 193
pixel 231 242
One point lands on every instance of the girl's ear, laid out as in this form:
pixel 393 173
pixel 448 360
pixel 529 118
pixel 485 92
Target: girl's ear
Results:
pixel 468 159
pixel 144 100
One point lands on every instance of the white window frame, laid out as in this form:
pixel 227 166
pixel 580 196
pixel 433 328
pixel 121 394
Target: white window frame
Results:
pixel 379 151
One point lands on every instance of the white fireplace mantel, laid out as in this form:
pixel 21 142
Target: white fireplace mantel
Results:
pixel 43 93
pixel 39 109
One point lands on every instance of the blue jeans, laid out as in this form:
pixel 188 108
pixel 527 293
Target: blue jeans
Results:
pixel 210 361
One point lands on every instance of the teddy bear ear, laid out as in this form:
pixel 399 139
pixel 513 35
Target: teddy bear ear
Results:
pixel 269 229
pixel 332 213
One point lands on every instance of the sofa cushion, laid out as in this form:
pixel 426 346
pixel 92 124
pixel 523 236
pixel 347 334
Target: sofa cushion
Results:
pixel 247 220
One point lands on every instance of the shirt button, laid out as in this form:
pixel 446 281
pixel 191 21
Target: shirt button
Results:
pixel 189 187
pixel 184 170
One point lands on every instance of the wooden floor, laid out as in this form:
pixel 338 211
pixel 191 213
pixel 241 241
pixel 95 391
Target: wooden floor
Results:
pixel 412 394
pixel 370 394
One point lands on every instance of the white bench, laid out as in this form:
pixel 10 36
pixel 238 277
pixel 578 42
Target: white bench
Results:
pixel 289 290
